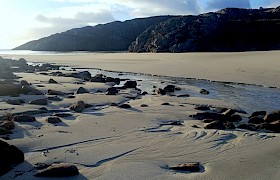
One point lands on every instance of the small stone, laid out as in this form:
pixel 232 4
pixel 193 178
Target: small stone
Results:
pixel 191 167
pixel 55 93
pixel 144 93
pixel 125 106
pixel 144 105
pixel 54 98
pixel 52 81
pixel 112 91
pixel 62 115
pixel 215 125
pixel 204 91
pixel 114 104
pixel 53 119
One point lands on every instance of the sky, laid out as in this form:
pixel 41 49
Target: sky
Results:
pixel 26 20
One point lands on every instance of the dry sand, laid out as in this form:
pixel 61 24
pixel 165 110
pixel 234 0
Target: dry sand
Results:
pixel 107 142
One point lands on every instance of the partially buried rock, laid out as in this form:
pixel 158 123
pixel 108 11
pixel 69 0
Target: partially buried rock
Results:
pixel 53 119
pixel 29 90
pixel 144 93
pixel 144 105
pixel 59 170
pixel 82 90
pixel 125 106
pixel 207 115
pixel 78 106
pixel 191 167
pixel 39 102
pixel 62 115
pixel 24 118
pixel 52 81
pixel 216 125
pixel 98 78
pixel 204 91
pixel 15 101
pixel 9 156
pixel 202 108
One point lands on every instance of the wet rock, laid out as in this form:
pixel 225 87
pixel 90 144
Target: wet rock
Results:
pixel 215 125
pixel 52 81
pixel 53 119
pixel 256 120
pixel 202 108
pixel 160 91
pixel 9 156
pixel 250 127
pixel 24 118
pixel 9 125
pixel 24 83
pixel 130 84
pixel 234 118
pixel 208 115
pixel 15 101
pixel 54 98
pixel 41 102
pixel 55 93
pixel 125 106
pixel 204 91
pixel 274 116
pixel 260 114
pixel 59 170
pixel 191 167
pixel 82 90
pixel 112 91
pixel 29 90
pixel 78 106
pixel 183 95
pixel 169 88
pixel 10 89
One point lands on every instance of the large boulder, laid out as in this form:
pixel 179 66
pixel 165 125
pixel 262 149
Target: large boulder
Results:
pixel 9 156
pixel 59 170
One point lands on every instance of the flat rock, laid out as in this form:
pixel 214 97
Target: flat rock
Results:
pixel 24 118
pixel 191 167
pixel 274 116
pixel 41 102
pixel 59 170
pixel 31 90
pixel 54 98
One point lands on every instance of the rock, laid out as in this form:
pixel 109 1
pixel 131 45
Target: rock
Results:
pixel 160 91
pixel 54 98
pixel 62 115
pixel 204 91
pixel 165 104
pixel 228 112
pixel 191 167
pixel 9 156
pixel 202 108
pixel 112 91
pixel 273 126
pixel 258 113
pixel 85 75
pixel 82 90
pixel 43 110
pixel 274 116
pixel 78 106
pixel 98 78
pixel 208 120
pixel 229 125
pixel 24 83
pixel 255 120
pixel 115 80
pixel 53 119
pixel 71 97
pixel 59 170
pixel 31 91
pixel 56 93
pixel 207 115
pixel 10 89
pixel 15 101
pixel 215 125
pixel 144 93
pixel 183 95
pixel 125 106
pixel 52 81
pixel 41 102
pixel 234 118
pixel 169 88
pixel 4 131
pixel 130 84
pixel 9 125
pixel 250 127
pixel 114 104
pixel 24 118
pixel 144 105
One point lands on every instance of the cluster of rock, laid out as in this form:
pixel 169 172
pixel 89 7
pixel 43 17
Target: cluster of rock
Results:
pixel 227 119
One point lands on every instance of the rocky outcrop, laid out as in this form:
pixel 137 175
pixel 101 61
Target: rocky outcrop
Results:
pixel 230 29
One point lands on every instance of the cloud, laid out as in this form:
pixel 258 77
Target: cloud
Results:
pixel 220 4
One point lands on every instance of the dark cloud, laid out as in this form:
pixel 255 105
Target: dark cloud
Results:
pixel 220 4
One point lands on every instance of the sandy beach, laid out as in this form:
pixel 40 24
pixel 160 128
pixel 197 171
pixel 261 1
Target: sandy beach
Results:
pixel 158 130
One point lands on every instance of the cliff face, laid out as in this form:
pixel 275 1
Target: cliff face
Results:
pixel 229 29
pixel 115 36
